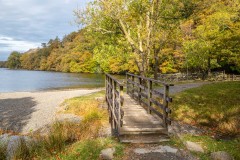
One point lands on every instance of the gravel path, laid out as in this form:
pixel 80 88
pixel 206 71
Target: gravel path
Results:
pixel 28 111
pixel 181 87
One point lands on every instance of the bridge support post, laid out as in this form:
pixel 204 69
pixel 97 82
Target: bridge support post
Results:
pixel 139 90
pixel 119 108
pixel 133 90
pixel 165 105
pixel 149 86
pixel 127 83
pixel 113 107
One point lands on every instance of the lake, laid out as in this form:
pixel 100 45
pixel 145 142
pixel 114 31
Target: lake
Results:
pixel 23 80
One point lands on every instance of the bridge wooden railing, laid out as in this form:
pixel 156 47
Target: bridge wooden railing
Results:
pixel 141 89
pixel 114 98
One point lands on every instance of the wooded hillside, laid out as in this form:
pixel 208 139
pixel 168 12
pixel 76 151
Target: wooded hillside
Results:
pixel 144 37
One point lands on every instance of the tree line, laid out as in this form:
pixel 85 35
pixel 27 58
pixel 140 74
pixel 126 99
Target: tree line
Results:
pixel 144 37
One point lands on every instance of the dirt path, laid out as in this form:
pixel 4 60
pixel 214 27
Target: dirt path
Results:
pixel 28 111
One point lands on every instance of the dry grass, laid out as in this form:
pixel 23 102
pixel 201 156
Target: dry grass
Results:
pixel 94 117
pixel 3 150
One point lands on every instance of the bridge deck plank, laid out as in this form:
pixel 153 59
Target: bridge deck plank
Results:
pixel 136 118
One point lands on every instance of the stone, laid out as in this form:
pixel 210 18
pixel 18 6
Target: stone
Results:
pixel 12 142
pixel 68 117
pixel 221 155
pixel 107 154
pixel 192 146
pixel 4 139
pixel 159 149
pixel 186 154
pixel 101 99
pixel 169 149
pixel 141 151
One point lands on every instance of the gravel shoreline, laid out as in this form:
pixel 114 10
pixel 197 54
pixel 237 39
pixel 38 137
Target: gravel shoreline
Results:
pixel 26 112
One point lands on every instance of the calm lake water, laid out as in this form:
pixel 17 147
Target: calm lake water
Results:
pixel 22 80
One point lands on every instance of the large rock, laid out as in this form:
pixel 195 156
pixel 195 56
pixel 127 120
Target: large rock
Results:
pixel 192 146
pixel 4 139
pixel 68 117
pixel 107 154
pixel 12 143
pixel 220 155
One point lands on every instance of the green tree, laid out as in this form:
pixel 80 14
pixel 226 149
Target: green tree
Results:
pixel 13 61
pixel 136 22
pixel 212 38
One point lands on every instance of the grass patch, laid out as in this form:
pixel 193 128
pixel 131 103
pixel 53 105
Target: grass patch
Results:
pixel 83 105
pixel 90 149
pixel 215 106
pixel 211 145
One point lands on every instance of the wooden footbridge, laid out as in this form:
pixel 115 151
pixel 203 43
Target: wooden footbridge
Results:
pixel 141 114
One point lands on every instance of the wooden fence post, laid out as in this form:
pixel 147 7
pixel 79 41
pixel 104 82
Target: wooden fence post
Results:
pixel 113 105
pixel 139 90
pixel 127 83
pixel 165 105
pixel 120 106
pixel 149 86
pixel 133 90
pixel 106 85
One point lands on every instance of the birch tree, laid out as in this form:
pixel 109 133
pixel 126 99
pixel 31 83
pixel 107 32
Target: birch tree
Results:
pixel 140 22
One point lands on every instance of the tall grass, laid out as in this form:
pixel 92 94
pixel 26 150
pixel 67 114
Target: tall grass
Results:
pixel 3 150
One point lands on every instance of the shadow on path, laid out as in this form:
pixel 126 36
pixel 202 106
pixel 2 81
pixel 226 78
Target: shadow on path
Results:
pixel 15 113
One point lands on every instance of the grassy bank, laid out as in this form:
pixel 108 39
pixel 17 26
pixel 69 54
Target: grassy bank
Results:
pixel 214 106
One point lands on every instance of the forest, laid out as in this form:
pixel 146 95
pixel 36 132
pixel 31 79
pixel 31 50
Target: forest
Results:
pixel 144 37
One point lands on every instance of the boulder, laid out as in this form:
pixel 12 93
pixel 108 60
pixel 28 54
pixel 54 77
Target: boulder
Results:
pixel 4 139
pixel 107 154
pixel 101 99
pixel 192 146
pixel 221 155
pixel 68 117
pixel 13 142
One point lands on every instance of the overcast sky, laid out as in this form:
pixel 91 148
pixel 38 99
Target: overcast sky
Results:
pixel 25 24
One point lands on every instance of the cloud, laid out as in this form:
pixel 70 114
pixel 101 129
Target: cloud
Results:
pixel 30 23
pixel 10 44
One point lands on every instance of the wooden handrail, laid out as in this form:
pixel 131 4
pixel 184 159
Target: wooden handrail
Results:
pixel 150 79
pixel 114 98
pixel 141 89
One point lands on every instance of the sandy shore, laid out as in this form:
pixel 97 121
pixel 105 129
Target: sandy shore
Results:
pixel 28 111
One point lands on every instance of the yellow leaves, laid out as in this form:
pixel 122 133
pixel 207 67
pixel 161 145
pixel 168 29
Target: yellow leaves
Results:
pixel 187 28
pixel 167 67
